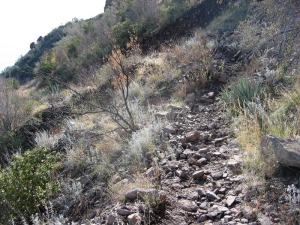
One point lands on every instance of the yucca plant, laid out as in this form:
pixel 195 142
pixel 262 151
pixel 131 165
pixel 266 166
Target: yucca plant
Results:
pixel 241 94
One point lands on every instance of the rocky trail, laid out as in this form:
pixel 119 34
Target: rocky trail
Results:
pixel 198 170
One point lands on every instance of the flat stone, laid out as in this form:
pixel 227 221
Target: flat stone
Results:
pixel 198 174
pixel 220 208
pixel 217 175
pixel 276 151
pixel 124 212
pixel 230 200
pixel 212 196
pixel 201 162
pixel 188 206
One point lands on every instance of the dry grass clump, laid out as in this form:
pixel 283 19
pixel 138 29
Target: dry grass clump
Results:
pixel 194 58
pixel 154 77
pixel 248 132
pixel 45 139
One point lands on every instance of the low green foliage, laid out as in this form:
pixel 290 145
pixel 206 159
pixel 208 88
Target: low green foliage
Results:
pixel 240 94
pixel 28 182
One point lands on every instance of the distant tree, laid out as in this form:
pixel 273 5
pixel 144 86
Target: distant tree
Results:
pixel 32 45
pixel 39 39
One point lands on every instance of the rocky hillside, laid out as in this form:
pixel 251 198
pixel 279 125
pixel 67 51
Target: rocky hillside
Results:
pixel 157 112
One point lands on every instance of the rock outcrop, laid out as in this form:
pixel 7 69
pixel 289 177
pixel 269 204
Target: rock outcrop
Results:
pixel 277 151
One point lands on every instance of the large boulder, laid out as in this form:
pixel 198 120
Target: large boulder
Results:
pixel 276 151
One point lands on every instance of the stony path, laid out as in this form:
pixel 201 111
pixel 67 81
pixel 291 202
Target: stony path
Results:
pixel 202 174
pixel 199 171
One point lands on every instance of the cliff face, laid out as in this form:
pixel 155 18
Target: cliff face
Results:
pixel 107 4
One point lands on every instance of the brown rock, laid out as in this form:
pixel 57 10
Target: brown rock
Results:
pixel 283 151
pixel 192 136
pixel 131 195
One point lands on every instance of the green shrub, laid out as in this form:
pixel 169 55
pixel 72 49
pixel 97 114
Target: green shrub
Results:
pixel 240 94
pixel 13 82
pixel 28 182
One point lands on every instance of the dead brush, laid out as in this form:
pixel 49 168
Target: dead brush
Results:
pixel 195 58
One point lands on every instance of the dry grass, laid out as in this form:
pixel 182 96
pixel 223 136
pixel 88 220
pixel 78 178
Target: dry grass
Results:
pixel 195 59
pixel 248 132
pixel 45 139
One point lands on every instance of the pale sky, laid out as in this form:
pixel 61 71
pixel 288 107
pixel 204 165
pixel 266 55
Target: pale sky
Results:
pixel 22 22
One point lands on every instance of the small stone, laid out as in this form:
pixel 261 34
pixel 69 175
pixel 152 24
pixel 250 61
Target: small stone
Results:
pixel 124 212
pixel 211 94
pixel 217 175
pixel 219 140
pixel 227 218
pixel 111 219
pixel 202 218
pixel 201 192
pixel 192 136
pixel 203 151
pixel 189 153
pixel 131 195
pixel 194 196
pixel 181 174
pixel 169 129
pixel 222 190
pixel 234 166
pixel 161 115
pixel 243 220
pixel 264 220
pixel 212 196
pixel 230 200
pixel 188 206
pixel 201 162
pixel 150 172
pixel 190 99
pixel 134 219
pixel 224 149
pixel 221 208
pixel 249 213
pixel 198 174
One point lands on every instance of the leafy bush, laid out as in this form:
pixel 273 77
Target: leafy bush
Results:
pixel 28 182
